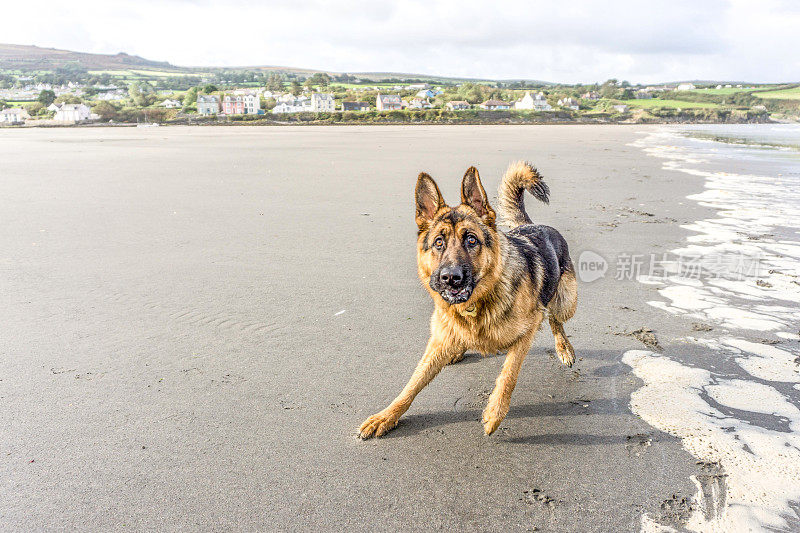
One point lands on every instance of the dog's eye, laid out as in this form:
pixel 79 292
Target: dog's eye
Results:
pixel 472 241
pixel 438 243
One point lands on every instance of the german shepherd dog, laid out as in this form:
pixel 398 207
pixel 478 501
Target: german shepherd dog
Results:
pixel 491 289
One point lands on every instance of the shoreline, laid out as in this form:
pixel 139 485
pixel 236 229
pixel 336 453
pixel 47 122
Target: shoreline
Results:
pixel 730 392
pixel 267 123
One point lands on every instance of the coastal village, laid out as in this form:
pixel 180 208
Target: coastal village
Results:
pixel 25 101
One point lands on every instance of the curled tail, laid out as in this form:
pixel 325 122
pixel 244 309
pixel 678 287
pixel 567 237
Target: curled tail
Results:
pixel 519 177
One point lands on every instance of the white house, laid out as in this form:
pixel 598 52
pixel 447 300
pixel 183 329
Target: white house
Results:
pixel 494 104
pixel 283 107
pixel 73 113
pixel 686 87
pixel 621 108
pixel 54 107
pixel 322 102
pixel 13 115
pixel 457 105
pixel 170 104
pixel 537 102
pixel 569 103
pixel 419 103
pixel 252 104
pixel 526 102
pixel 297 105
pixel 207 104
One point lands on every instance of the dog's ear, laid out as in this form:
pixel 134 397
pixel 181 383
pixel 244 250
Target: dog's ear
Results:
pixel 429 200
pixel 473 195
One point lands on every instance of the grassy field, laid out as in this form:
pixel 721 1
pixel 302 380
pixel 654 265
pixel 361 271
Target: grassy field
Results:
pixel 723 91
pixel 783 94
pixel 363 85
pixel 675 104
pixel 135 73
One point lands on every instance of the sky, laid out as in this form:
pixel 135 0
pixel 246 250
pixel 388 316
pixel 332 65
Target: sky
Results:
pixel 568 41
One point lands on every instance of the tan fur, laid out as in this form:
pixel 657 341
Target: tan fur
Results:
pixel 506 315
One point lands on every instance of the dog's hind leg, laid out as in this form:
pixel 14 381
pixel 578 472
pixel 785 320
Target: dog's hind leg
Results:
pixel 563 347
pixel 561 308
pixel 437 355
pixel 500 399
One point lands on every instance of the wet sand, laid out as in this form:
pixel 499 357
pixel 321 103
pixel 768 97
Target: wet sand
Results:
pixel 197 320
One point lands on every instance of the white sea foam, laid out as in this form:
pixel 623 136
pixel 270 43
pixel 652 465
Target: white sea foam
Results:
pixel 762 466
pixel 746 423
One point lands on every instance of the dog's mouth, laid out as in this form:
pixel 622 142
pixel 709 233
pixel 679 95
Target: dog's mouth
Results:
pixel 456 296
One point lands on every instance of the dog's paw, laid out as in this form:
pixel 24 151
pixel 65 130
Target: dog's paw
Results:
pixel 492 416
pixel 456 358
pixel 491 424
pixel 565 353
pixel 377 425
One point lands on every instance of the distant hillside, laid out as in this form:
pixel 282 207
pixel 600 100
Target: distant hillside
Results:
pixel 364 76
pixel 32 58
pixel 265 68
pixel 377 76
pixel 23 57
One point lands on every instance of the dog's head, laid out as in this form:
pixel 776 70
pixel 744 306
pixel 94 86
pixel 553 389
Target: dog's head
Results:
pixel 457 247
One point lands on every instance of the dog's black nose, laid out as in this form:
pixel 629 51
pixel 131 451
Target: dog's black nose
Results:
pixel 452 276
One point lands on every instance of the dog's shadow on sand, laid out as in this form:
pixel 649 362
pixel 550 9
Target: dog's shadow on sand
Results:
pixel 418 423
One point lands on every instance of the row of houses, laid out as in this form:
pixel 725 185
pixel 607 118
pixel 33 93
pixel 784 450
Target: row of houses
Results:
pixel 529 102
pixel 64 113
pixel 231 104
pixel 537 102
pixel 316 103
pixel 250 104
pixel 31 91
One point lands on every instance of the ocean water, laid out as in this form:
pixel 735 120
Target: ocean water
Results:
pixel 737 279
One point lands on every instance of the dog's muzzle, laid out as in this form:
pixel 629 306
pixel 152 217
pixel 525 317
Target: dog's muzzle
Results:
pixel 453 282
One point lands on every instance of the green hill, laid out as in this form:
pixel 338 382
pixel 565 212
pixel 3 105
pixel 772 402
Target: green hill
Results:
pixel 32 58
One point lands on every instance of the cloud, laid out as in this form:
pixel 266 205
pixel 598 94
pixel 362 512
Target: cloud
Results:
pixel 576 41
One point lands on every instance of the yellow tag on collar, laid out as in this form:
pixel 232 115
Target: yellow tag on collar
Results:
pixel 472 310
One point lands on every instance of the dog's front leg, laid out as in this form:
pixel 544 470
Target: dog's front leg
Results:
pixel 497 407
pixel 437 355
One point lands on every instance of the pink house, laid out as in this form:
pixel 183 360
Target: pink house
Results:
pixel 388 102
pixel 233 105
